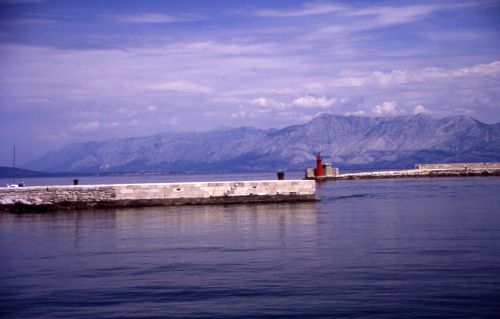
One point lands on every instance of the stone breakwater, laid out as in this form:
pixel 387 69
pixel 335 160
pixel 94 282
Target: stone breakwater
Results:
pixel 459 166
pixel 413 173
pixel 47 198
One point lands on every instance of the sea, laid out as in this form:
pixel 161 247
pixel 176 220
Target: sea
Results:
pixel 392 248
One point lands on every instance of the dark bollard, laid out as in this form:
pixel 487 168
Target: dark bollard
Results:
pixel 75 182
pixel 281 176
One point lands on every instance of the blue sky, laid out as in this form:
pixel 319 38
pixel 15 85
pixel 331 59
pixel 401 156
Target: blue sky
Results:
pixel 75 71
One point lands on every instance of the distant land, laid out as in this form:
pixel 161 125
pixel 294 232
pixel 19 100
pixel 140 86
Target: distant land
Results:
pixel 348 142
pixel 8 172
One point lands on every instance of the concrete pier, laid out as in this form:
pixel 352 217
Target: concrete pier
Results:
pixel 459 166
pixel 413 173
pixel 326 171
pixel 44 198
pixel 421 170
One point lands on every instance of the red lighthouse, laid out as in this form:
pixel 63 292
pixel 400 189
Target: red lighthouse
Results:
pixel 319 171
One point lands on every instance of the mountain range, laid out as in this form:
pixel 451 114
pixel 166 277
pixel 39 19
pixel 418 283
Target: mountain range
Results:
pixel 344 141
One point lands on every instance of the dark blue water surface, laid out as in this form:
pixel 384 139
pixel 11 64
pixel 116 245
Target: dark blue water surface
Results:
pixel 400 248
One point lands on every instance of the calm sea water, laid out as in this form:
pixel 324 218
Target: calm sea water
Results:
pixel 400 248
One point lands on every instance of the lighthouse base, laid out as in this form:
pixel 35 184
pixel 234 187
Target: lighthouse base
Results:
pixel 327 171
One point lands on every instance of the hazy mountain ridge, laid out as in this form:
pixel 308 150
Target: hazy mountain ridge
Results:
pixel 345 141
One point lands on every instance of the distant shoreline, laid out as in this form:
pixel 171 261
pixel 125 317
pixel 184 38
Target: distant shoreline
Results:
pixel 7 172
pixel 412 173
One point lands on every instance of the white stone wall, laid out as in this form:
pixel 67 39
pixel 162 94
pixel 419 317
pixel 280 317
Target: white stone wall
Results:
pixel 310 173
pixel 326 171
pixel 100 193
pixel 214 189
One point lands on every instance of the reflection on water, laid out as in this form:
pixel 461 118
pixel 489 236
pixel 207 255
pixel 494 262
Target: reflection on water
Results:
pixel 186 220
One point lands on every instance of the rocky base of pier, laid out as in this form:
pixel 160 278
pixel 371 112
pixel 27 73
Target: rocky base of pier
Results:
pixel 226 200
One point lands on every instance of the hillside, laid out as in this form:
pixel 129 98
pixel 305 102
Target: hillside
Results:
pixel 344 141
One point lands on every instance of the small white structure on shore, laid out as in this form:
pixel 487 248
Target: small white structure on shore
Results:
pixel 327 171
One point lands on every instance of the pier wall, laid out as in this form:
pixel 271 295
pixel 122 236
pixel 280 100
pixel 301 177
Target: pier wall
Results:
pixel 414 173
pixel 159 193
pixel 459 166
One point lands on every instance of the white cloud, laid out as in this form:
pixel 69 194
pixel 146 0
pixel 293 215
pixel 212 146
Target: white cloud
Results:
pixel 354 113
pixel 420 109
pixel 348 82
pixel 174 121
pixel 87 127
pixel 312 102
pixel 353 20
pixel 310 8
pixel 477 76
pixel 387 108
pixel 268 103
pixel 152 108
pixel 238 114
pixel 93 126
pixel 124 111
pixel 144 18
pixel 261 111
pixel 260 101
pixel 488 70
pixel 492 69
pixel 386 79
pixel 395 15
pixel 229 99
pixel 465 111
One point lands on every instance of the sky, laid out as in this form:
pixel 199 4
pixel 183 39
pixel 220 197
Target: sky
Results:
pixel 77 71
